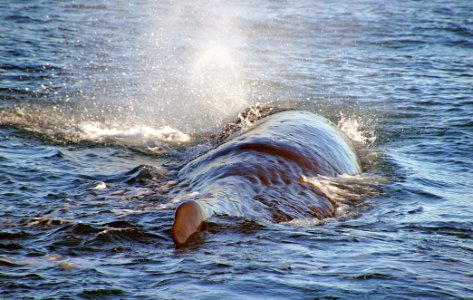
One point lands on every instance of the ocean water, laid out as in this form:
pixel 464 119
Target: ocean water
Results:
pixel 102 102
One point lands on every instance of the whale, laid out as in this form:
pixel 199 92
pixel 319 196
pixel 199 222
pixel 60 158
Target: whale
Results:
pixel 259 174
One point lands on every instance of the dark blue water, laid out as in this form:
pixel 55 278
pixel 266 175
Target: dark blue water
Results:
pixel 101 102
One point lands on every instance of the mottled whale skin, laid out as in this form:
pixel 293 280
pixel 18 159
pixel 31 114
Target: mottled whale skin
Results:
pixel 257 175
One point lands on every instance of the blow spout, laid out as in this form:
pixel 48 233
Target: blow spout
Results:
pixel 187 221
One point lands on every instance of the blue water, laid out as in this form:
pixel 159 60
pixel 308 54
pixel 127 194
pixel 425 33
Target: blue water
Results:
pixel 86 162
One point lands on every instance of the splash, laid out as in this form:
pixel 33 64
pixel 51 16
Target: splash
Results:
pixel 216 81
pixel 193 77
pixel 357 129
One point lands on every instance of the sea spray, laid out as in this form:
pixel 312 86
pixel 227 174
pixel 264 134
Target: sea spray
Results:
pixel 358 129
pixel 196 90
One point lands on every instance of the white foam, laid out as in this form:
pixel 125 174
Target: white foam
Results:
pixel 100 186
pixel 133 135
pixel 58 125
pixel 305 222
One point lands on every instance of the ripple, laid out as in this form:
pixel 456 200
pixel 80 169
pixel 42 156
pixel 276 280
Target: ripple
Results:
pixel 30 68
pixel 368 276
pixel 11 246
pixel 19 275
pixel 20 19
pixel 459 230
pixel 101 293
pixel 87 6
pixel 9 263
pixel 81 228
pixel 123 235
pixel 142 173
pixel 13 235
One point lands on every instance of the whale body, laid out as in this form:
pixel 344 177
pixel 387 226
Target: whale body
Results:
pixel 259 174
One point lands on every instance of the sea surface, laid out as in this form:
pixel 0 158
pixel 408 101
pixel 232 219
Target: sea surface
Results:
pixel 102 102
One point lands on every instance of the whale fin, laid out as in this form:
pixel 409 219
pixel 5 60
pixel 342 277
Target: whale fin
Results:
pixel 187 221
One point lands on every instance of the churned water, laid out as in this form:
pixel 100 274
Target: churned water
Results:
pixel 102 102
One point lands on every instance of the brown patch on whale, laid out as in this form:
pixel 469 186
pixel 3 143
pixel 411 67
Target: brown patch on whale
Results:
pixel 257 174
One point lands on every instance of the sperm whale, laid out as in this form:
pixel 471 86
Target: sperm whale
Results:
pixel 258 174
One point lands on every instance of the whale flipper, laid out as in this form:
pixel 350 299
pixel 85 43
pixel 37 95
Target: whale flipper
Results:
pixel 187 221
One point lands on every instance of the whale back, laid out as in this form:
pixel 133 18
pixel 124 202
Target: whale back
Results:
pixel 310 142
pixel 258 175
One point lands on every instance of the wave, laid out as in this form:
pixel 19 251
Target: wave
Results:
pixel 59 126
pixel 350 192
